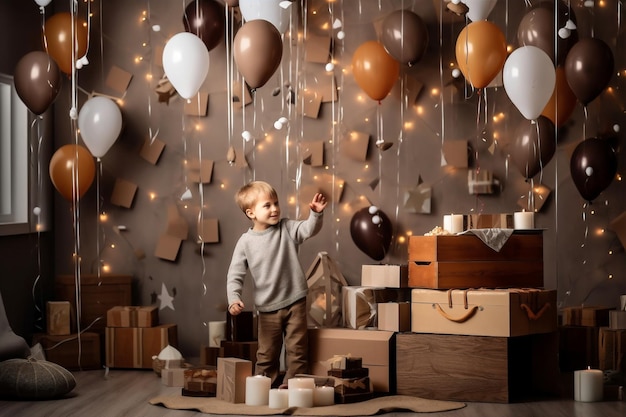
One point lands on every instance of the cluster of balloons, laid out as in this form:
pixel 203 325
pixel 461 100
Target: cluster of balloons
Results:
pixel 376 65
pixel 371 231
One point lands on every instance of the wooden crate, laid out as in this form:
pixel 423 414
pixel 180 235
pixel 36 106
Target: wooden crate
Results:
pixel 134 347
pixel 63 350
pixel 133 316
pixel 465 261
pixel 476 368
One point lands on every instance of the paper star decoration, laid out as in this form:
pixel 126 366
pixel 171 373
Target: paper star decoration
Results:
pixel 418 199
pixel 166 298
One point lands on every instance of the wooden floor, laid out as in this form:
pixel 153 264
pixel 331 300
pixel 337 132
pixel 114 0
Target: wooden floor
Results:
pixel 126 393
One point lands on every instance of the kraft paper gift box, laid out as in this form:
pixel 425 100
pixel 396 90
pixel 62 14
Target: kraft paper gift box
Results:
pixel 484 312
pixel 477 368
pixel 174 377
pixel 358 307
pixel 391 276
pixel 58 318
pixel 133 316
pixel 200 381
pixel 64 350
pixel 134 347
pixel 376 348
pixel 612 349
pixel 465 261
pixel 231 379
pixel 591 316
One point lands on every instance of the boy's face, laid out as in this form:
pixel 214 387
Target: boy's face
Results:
pixel 265 212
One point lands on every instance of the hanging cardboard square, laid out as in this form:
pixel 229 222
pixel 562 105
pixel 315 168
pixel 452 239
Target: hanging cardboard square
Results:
pixel 200 171
pixel 317 49
pixel 118 79
pixel 355 145
pixel 151 150
pixel 312 104
pixel 167 247
pixel 176 224
pixel 455 153
pixel 208 230
pixel 197 105
pixel 313 153
pixel 327 86
pixel 123 193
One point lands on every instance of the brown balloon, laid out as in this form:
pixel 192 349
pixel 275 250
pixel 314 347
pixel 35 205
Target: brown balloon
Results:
pixel 405 36
pixel 593 166
pixel 563 101
pixel 205 19
pixel 374 70
pixel 257 50
pixel 58 38
pixel 72 170
pixel 534 146
pixel 537 28
pixel 480 52
pixel 589 68
pixel 37 81
pixel 371 237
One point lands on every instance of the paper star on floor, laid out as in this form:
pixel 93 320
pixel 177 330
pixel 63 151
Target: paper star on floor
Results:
pixel 166 298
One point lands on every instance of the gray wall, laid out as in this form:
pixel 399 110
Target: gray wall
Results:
pixel 576 257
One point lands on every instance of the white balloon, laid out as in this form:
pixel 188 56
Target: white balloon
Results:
pixel 479 9
pixel 269 10
pixel 100 123
pixel 186 63
pixel 43 3
pixel 529 78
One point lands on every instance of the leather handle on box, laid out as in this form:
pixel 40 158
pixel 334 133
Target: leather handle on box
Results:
pixel 531 315
pixel 461 319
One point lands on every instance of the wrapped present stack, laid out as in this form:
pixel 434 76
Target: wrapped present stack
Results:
pixel 351 379
pixel 133 336
pixel 478 312
pixel 236 337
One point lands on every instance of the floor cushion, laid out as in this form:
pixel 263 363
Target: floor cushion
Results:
pixel 31 379
pixel 11 345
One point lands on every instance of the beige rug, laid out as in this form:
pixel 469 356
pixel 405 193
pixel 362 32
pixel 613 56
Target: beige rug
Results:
pixel 392 403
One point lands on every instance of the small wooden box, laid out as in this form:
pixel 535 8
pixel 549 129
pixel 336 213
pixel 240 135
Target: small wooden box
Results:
pixel 591 316
pixel 386 276
pixel 134 347
pixel 63 350
pixel 465 261
pixel 132 316
pixel 58 318
pixel 476 368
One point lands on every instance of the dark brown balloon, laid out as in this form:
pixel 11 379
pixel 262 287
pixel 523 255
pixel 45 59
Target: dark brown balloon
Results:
pixel 589 68
pixel 537 28
pixel 257 50
pixel 37 80
pixel 405 36
pixel 593 166
pixel 373 239
pixel 534 146
pixel 205 19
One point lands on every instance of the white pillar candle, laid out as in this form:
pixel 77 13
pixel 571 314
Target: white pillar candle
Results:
pixel 279 398
pixel 257 390
pixel 300 397
pixel 588 385
pixel 524 220
pixel 447 222
pixel 453 223
pixel 323 396
pixel 301 383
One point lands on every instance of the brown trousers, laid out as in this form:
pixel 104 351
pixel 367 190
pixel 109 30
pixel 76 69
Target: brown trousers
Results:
pixel 288 324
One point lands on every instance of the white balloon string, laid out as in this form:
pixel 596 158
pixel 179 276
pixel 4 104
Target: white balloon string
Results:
pixel 441 83
pixel 98 214
pixel 254 111
pixel 101 33
pixel 201 220
pixel 229 79
pixel 152 135
pixel 379 140
pixel 36 157
pixel 43 29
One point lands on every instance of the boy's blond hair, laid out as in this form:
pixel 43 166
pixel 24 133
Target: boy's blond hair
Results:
pixel 249 194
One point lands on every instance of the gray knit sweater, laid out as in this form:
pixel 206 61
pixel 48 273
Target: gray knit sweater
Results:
pixel 271 256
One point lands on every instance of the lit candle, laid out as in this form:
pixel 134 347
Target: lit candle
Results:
pixel 300 397
pixel 453 223
pixel 524 220
pixel 279 398
pixel 301 383
pixel 257 390
pixel 588 385
pixel 323 396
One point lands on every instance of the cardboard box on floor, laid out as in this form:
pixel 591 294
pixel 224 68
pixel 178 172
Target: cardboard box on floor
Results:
pixel 375 347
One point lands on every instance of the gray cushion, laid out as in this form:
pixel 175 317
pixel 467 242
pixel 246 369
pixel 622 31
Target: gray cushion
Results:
pixel 30 379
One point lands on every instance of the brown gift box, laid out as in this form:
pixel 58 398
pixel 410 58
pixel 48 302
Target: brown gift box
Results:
pixel 591 316
pixel 174 377
pixel 617 319
pixel 484 312
pixel 464 261
pixel 612 349
pixel 231 379
pixel 132 316
pixel 64 350
pixel 134 347
pixel 200 380
pixel 352 385
pixel 58 318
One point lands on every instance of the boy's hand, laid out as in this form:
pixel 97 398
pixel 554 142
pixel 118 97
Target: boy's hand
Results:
pixel 236 308
pixel 318 204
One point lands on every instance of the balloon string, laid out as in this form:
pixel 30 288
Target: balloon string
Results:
pixel 441 83
pixel 229 80
pixel 380 140
pixel 98 219
pixel 39 319
pixel 151 134
pixel 201 220
pixel 77 257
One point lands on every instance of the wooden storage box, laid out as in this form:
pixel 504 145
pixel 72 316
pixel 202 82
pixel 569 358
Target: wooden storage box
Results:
pixel 58 318
pixel 133 316
pixel 134 347
pixel 231 379
pixel 591 316
pixel 375 347
pixel 465 261
pixel 63 350
pixel 484 312
pixel 612 349
pixel 391 276
pixel 476 368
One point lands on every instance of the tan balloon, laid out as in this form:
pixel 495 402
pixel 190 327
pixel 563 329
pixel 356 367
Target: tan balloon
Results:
pixel 258 50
